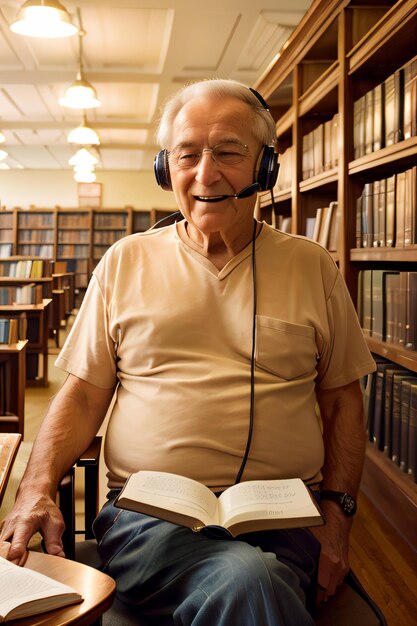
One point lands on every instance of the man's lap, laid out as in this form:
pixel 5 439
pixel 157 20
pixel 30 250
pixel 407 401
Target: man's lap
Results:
pixel 155 561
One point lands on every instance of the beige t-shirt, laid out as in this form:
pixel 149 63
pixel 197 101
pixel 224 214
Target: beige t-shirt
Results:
pixel 176 334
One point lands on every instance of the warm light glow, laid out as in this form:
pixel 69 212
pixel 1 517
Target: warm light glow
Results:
pixel 4 166
pixel 3 154
pixel 80 95
pixel 84 136
pixel 2 137
pixel 83 157
pixel 83 168
pixel 84 177
pixel 43 18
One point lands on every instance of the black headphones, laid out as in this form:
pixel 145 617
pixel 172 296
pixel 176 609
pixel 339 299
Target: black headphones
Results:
pixel 266 171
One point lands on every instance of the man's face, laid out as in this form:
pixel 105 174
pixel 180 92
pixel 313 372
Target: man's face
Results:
pixel 208 122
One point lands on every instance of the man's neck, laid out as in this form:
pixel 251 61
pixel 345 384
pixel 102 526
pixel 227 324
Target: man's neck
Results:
pixel 216 247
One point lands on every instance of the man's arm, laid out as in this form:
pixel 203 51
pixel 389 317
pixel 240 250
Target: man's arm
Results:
pixel 70 424
pixel 344 436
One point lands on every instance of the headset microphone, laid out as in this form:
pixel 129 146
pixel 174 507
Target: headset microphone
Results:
pixel 246 192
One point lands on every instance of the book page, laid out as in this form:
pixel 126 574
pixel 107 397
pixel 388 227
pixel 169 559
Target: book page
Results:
pixel 174 493
pixel 19 585
pixel 256 499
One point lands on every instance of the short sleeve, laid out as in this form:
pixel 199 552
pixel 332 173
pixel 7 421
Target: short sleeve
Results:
pixel 346 356
pixel 90 351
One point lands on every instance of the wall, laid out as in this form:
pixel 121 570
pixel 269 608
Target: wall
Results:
pixel 49 188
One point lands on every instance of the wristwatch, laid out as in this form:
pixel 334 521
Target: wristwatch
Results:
pixel 346 502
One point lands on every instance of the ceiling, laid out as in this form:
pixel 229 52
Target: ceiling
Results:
pixel 135 53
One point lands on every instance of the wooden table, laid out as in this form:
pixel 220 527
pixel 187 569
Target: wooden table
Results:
pixel 96 588
pixel 9 445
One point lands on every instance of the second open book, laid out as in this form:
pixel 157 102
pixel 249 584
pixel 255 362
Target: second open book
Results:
pixel 245 507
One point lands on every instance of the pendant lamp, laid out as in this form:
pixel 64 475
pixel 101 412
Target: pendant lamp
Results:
pixel 84 177
pixel 3 155
pixel 83 157
pixel 81 94
pixel 43 18
pixel 83 135
pixel 2 137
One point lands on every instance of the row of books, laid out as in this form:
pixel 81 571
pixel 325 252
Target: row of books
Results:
pixel 108 237
pixel 72 250
pixel 42 250
pixel 321 148
pixel 6 235
pixel 74 236
pixel 387 306
pixel 74 221
pixel 111 220
pixel 13 328
pixel 35 220
pixel 24 294
pixel 324 226
pixel 390 395
pixel 37 236
pixel 24 268
pixel 387 113
pixel 386 212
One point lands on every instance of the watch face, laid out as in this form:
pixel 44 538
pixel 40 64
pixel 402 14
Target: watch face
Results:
pixel 348 504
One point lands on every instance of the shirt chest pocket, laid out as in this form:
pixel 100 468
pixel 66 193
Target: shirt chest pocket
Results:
pixel 285 349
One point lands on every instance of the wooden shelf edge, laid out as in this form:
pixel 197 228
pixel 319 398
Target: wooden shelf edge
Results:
pixel 285 122
pixel 406 254
pixel 324 178
pixel 392 492
pixel 394 352
pixel 397 151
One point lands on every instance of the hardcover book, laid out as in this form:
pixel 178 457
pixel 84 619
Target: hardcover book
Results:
pixel 24 592
pixel 244 507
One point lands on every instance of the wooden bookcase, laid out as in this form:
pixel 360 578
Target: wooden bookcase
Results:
pixel 36 230
pixel 340 51
pixel 7 232
pixel 74 230
pixel 109 225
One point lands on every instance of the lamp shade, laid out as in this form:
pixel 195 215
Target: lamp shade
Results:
pixel 3 154
pixel 43 18
pixel 84 177
pixel 80 95
pixel 84 136
pixel 83 157
pixel 85 167
pixel 2 137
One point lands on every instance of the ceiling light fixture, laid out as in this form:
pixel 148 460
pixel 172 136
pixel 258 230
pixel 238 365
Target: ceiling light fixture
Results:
pixel 2 137
pixel 81 94
pixel 83 135
pixel 84 177
pixel 3 155
pixel 83 168
pixel 43 18
pixel 83 157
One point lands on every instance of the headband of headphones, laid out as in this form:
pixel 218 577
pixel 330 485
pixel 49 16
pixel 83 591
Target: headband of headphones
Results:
pixel 266 170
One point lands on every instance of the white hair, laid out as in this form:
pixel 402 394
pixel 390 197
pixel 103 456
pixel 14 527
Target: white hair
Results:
pixel 263 122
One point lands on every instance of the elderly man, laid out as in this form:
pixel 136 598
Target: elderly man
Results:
pixel 218 336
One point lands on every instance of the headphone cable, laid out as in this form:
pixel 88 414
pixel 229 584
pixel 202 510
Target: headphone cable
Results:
pixel 252 363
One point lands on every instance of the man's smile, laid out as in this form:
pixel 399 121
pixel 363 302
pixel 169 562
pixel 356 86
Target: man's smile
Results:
pixel 211 198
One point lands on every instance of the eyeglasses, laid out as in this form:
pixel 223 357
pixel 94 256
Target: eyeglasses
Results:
pixel 223 154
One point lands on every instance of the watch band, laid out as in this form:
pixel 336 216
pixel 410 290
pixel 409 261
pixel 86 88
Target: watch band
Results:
pixel 346 502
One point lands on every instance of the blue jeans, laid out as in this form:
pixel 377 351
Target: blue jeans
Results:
pixel 175 576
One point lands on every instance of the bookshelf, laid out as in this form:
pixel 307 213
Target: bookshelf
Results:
pixel 339 54
pixel 36 233
pixel 109 226
pixel 75 239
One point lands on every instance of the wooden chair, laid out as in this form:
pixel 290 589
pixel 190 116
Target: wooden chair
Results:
pixel 351 605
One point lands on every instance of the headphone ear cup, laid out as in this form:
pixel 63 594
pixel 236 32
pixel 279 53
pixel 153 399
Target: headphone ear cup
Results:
pixel 161 170
pixel 268 169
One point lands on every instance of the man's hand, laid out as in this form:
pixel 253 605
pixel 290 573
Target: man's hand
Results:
pixel 334 555
pixel 31 513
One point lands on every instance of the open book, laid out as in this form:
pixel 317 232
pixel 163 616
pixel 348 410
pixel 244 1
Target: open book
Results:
pixel 245 507
pixel 25 592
